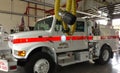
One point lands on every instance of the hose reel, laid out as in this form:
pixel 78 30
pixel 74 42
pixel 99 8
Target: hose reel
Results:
pixel 67 17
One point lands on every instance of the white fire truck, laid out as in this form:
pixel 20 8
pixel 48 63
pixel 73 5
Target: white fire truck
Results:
pixel 41 50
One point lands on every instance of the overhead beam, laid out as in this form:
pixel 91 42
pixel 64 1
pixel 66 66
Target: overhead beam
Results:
pixel 19 14
pixel 39 3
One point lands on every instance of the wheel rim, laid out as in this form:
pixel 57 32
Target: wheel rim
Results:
pixel 105 55
pixel 41 66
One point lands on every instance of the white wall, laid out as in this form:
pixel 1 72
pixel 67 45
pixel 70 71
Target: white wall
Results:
pixel 10 21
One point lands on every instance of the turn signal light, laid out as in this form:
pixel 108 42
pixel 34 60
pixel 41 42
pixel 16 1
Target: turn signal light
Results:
pixel 21 53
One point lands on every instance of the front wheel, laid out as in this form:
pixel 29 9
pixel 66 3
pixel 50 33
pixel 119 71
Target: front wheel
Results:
pixel 105 56
pixel 40 63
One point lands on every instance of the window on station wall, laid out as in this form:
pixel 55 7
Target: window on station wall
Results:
pixel 102 22
pixel 116 24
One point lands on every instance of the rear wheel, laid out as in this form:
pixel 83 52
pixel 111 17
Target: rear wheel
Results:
pixel 105 56
pixel 40 63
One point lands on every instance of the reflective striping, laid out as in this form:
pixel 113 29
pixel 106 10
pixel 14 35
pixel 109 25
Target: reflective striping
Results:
pixel 41 39
pixel 58 38
pixel 109 37
pixel 79 38
pixel 90 37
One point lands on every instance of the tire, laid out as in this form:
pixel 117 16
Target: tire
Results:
pixel 105 55
pixel 21 63
pixel 40 63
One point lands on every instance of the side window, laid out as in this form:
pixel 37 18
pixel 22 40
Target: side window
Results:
pixel 44 24
pixel 80 26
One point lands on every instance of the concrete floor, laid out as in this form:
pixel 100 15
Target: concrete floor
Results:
pixel 112 67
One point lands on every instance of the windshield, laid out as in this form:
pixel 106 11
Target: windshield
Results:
pixel 44 24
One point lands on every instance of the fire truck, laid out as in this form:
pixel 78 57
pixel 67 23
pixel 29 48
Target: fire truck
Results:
pixel 47 46
pixel 53 43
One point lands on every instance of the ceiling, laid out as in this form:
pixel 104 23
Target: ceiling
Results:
pixel 50 3
pixel 91 6
pixel 111 1
pixel 112 7
pixel 108 1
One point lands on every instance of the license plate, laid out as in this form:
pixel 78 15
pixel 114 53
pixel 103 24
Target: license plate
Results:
pixel 4 65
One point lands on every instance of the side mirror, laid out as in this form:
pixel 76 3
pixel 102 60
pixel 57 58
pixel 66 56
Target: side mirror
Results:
pixel 57 28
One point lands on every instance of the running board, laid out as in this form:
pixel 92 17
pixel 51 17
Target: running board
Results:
pixel 69 63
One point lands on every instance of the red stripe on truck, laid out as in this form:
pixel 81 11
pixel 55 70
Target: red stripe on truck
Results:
pixel 40 39
pixel 57 38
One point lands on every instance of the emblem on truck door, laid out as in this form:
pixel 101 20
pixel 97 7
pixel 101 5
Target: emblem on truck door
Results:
pixel 63 38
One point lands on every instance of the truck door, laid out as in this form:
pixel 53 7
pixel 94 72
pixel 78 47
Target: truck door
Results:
pixel 64 44
pixel 79 38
